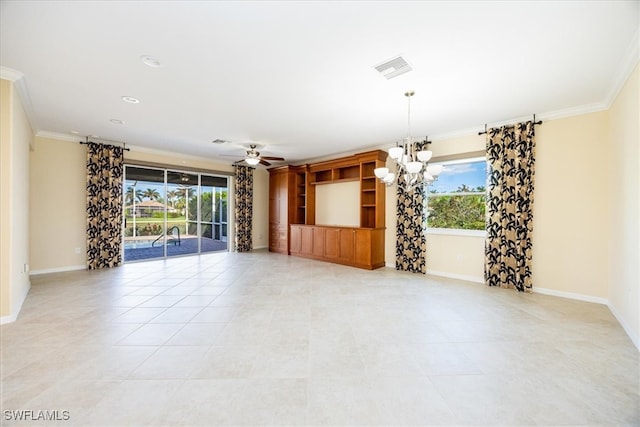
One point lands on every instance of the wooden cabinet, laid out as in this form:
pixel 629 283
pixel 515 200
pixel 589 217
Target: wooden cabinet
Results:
pixel 295 240
pixel 287 204
pixel 292 206
pixel 360 168
pixel 357 247
pixel 347 245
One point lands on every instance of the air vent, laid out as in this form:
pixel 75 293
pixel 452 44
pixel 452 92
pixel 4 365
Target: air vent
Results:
pixel 393 67
pixel 219 141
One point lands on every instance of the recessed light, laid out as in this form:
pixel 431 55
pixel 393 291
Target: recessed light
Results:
pixel 94 136
pixel 150 61
pixel 117 121
pixel 130 99
pixel 75 132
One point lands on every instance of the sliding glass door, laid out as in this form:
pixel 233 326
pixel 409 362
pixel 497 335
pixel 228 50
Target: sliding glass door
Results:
pixel 172 213
pixel 213 213
pixel 144 213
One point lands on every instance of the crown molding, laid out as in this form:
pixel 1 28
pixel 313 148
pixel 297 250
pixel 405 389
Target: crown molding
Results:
pixel 59 136
pixel 17 78
pixel 550 115
pixel 10 74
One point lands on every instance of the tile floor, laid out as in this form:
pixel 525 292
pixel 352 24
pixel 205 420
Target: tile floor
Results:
pixel 259 338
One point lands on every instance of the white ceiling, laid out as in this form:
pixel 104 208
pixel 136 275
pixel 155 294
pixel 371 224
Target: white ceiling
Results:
pixel 299 77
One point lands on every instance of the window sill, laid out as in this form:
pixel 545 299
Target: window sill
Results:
pixel 457 232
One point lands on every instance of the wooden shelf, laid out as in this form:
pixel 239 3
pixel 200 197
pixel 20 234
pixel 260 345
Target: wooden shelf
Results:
pixel 292 209
pixel 335 181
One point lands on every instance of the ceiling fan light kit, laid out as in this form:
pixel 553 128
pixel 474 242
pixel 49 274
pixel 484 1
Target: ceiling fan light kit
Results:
pixel 252 156
pixel 252 160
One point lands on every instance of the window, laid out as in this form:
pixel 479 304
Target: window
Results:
pixel 456 200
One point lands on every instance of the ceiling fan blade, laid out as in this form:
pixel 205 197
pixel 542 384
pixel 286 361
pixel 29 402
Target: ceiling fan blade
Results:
pixel 280 159
pixel 264 162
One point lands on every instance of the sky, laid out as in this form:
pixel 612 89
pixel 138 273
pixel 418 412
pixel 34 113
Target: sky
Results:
pixel 453 176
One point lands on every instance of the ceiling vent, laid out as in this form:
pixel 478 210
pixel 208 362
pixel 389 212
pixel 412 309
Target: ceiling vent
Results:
pixel 393 67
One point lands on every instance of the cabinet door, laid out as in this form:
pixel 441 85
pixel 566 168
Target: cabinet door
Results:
pixel 283 239
pixel 283 193
pixel 273 237
pixel 306 244
pixel 331 242
pixel 347 244
pixel 363 247
pixel 318 241
pixel 295 237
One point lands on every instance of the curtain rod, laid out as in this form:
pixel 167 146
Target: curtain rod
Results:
pixel 539 122
pixel 124 144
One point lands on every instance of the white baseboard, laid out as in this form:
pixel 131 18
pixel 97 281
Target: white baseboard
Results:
pixel 464 277
pixel 571 295
pixel 8 319
pixel 260 247
pixel 58 269
pixel 16 310
pixel 635 339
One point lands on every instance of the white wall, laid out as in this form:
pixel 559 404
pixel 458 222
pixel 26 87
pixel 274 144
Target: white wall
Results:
pixel 14 203
pixel 624 187
pixel 571 237
pixel 58 205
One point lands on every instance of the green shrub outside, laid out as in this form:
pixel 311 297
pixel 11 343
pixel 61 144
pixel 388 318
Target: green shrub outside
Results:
pixel 465 212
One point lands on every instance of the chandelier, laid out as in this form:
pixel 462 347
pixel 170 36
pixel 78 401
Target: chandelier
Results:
pixel 412 168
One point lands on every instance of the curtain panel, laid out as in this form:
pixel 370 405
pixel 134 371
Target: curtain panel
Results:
pixel 104 205
pixel 508 247
pixel 411 243
pixel 243 208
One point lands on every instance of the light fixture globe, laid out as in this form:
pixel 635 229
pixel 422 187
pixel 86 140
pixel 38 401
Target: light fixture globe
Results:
pixel 425 155
pixel 395 152
pixel 252 160
pixel 380 173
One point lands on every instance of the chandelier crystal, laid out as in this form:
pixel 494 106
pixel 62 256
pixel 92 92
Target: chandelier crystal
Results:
pixel 412 161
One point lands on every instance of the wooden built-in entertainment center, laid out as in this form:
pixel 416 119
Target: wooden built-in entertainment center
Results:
pixel 292 211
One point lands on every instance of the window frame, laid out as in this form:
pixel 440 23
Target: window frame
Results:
pixel 455 231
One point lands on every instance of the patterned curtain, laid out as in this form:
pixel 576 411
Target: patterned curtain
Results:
pixel 411 244
pixel 511 161
pixel 104 205
pixel 244 208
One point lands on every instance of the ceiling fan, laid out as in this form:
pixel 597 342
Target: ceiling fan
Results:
pixel 253 157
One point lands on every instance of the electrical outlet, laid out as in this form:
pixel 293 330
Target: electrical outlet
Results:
pixel 78 251
pixel 26 268
pixel 460 257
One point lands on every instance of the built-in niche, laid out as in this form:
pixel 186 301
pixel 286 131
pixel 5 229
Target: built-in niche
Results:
pixel 338 204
